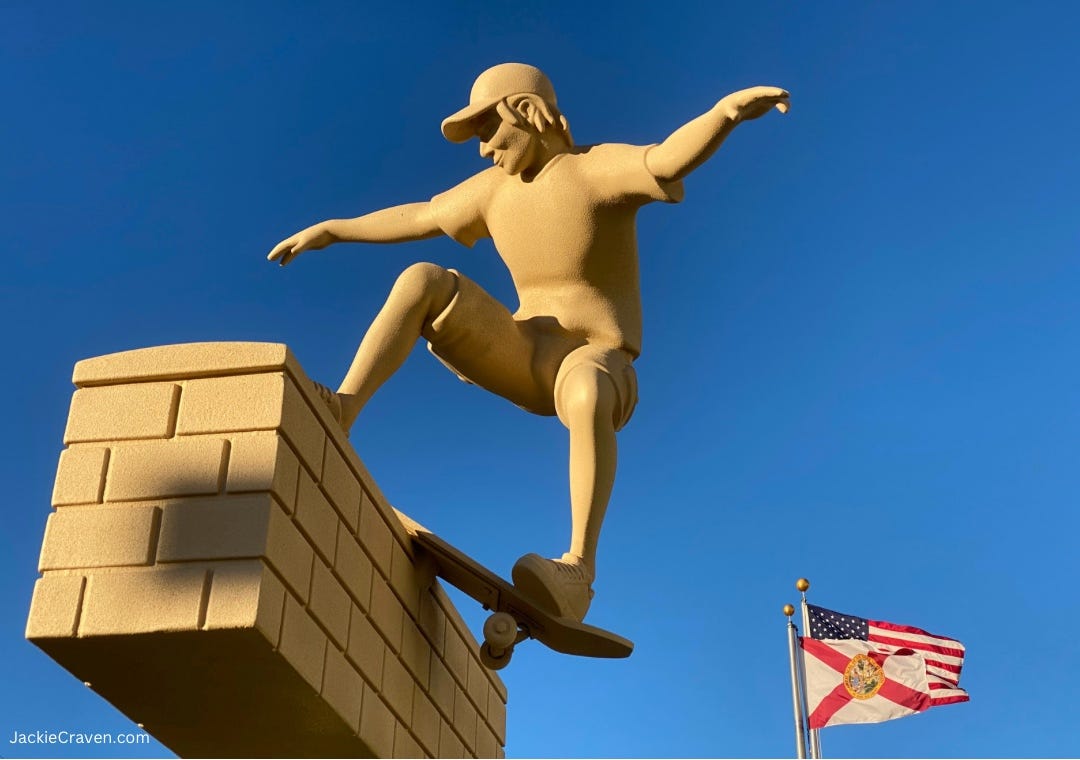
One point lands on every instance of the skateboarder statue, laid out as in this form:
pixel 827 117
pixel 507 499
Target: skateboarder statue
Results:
pixel 562 217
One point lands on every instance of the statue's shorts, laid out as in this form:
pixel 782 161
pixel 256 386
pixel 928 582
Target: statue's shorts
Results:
pixel 525 361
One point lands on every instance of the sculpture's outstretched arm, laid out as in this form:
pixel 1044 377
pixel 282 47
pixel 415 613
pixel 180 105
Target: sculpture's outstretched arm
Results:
pixel 398 224
pixel 692 144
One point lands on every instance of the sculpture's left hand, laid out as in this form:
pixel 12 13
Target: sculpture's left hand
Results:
pixel 755 102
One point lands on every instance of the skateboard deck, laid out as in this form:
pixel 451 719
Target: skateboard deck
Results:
pixel 515 617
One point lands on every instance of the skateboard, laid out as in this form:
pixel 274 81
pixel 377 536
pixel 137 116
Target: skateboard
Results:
pixel 514 616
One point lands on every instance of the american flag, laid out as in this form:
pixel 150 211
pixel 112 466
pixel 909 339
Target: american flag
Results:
pixel 944 657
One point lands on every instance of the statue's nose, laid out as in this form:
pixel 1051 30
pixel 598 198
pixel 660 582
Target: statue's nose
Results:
pixel 486 151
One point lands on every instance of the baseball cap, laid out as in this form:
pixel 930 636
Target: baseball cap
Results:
pixel 490 87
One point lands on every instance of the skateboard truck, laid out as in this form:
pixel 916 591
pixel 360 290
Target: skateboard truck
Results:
pixel 501 635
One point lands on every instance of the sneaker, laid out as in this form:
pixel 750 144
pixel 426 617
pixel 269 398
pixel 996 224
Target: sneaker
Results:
pixel 331 399
pixel 561 587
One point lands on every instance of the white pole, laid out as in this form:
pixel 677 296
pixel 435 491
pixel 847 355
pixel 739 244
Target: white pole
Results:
pixel 815 739
pixel 797 697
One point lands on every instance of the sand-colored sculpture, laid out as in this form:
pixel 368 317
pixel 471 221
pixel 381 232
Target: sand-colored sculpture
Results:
pixel 562 217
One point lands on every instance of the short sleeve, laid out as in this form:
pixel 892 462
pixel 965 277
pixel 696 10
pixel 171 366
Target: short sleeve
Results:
pixel 668 191
pixel 621 173
pixel 459 211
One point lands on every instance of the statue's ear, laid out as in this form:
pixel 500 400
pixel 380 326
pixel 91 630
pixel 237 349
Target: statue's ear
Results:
pixel 530 109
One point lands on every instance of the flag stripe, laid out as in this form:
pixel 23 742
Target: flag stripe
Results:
pixel 942 665
pixel 907 629
pixel 892 641
pixel 896 642
pixel 941 675
pixel 938 701
pixel 947 697
pixel 949 654
pixel 931 678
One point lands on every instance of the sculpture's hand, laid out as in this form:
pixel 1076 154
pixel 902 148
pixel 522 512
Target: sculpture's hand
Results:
pixel 312 239
pixel 755 102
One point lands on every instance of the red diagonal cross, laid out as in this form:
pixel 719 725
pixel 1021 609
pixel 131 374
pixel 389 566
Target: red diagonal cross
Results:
pixel 838 697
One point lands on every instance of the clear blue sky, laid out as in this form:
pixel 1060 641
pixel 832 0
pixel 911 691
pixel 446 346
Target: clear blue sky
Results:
pixel 860 359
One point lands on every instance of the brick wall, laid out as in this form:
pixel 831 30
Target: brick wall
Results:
pixel 222 568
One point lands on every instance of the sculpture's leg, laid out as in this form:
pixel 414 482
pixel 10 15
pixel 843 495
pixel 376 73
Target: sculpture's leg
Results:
pixel 588 402
pixel 419 295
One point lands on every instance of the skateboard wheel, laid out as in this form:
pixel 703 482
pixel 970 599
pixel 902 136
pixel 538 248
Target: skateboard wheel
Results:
pixel 493 661
pixel 500 631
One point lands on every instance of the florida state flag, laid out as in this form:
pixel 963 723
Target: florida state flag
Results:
pixel 854 681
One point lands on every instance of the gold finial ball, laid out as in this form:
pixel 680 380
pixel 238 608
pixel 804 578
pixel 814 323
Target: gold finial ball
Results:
pixel 802 584
pixel 789 610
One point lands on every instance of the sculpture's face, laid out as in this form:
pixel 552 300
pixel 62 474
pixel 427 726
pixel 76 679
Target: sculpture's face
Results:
pixel 508 145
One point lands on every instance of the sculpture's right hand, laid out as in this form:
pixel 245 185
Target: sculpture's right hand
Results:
pixel 312 239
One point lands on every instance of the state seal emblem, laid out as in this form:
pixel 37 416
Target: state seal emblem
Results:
pixel 863 677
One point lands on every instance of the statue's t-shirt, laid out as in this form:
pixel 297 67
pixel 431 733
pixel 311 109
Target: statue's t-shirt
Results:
pixel 567 237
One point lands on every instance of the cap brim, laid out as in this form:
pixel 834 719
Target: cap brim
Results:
pixel 461 127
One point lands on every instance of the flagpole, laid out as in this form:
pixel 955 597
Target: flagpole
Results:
pixel 815 739
pixel 797 696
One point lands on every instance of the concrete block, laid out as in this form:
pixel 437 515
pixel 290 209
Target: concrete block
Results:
pixel 55 607
pixel 122 412
pixel 397 688
pixel 406 580
pixel 246 594
pixel 367 650
pixel 441 688
pixel 303 430
pixel 432 622
pixel 187 360
pixel 498 686
pixel 80 476
pixel 144 601
pixel 387 613
pixel 303 643
pixel 343 688
pixel 375 536
pixel 317 518
pixel 354 568
pixel 330 604
pixel 405 745
pixel 415 652
pixel 478 686
pixel 231 404
pixel 450 744
pixel 85 537
pixel 465 717
pixel 457 656
pixel 224 527
pixel 162 469
pixel 342 486
pixel 496 718
pixel 425 722
pixel 377 724
pixel 263 462
pixel 289 553
pixel 487 746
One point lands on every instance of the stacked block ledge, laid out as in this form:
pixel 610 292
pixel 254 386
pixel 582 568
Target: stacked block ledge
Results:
pixel 221 567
